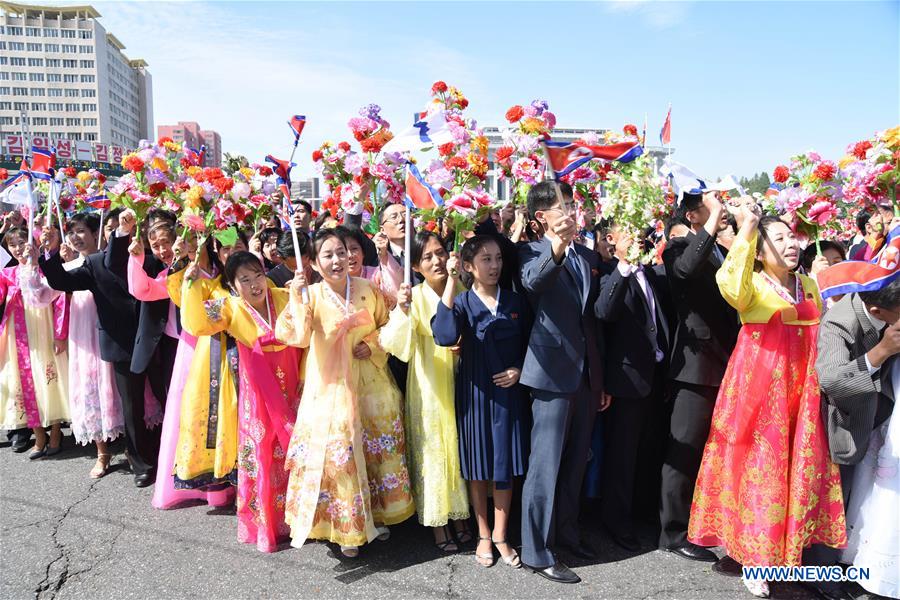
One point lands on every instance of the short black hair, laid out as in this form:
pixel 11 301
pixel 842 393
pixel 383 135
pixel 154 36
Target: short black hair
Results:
pixel 862 219
pixel 268 233
pixel 324 235
pixel 238 260
pixel 671 223
pixel 417 245
pixel 691 201
pixel 305 205
pixel 809 254
pixel 284 247
pixel 114 213
pixel 542 195
pixel 384 210
pixel 89 220
pixel 350 232
pixel 320 220
pixel 160 214
pixel 887 297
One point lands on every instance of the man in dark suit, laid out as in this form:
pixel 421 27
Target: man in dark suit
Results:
pixel 633 308
pixel 117 320
pixel 707 329
pixel 859 339
pixel 563 368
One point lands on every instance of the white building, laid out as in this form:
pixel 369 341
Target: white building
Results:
pixel 70 78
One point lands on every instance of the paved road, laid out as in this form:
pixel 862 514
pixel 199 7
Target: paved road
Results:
pixel 66 536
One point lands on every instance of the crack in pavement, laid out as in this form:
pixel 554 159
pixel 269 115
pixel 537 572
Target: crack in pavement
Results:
pixel 452 565
pixel 62 554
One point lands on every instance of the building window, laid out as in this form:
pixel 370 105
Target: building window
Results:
pixel 6 120
pixel 5 105
pixel 4 76
pixel 19 105
pixel 87 64
pixel 70 93
pixel 19 46
pixel 56 121
pixel 51 47
pixel 91 137
pixel 69 64
pixel 87 79
pixel 54 63
pixel 75 136
pixel 37 91
pixel 33 31
pixel 35 76
pixel 2 45
pixel 19 91
pixel 11 30
pixel 35 62
pixel 33 47
pixel 68 78
pixel 51 32
pixel 38 106
pixel 38 120
pixel 86 49
pixel 68 33
pixel 85 34
pixel 18 76
pixel 88 93
pixel 73 108
pixel 69 48
pixel 4 60
pixel 54 77
pixel 90 122
pixel 73 122
pixel 54 92
pixel 15 61
pixel 89 107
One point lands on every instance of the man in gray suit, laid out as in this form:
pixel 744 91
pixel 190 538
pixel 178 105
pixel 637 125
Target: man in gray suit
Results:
pixel 858 339
pixel 563 369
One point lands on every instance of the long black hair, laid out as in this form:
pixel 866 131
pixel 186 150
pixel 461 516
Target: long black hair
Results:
pixel 417 245
pixel 322 236
pixel 469 251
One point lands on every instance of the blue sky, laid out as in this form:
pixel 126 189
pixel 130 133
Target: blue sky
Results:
pixel 750 82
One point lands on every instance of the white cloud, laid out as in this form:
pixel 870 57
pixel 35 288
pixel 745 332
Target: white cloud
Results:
pixel 658 14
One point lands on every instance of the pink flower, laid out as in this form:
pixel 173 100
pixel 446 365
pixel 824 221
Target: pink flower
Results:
pixel 462 204
pixel 821 213
pixel 549 119
pixel 814 156
pixel 194 222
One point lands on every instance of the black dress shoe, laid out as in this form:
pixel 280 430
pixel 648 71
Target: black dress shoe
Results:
pixel 626 541
pixel 728 566
pixel 581 551
pixel 20 446
pixel 143 479
pixel 692 551
pixel 828 593
pixel 558 573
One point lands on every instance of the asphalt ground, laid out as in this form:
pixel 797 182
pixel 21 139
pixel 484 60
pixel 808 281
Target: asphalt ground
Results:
pixel 63 535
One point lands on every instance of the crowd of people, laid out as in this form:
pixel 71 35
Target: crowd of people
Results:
pixel 535 371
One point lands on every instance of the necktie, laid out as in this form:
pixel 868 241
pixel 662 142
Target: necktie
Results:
pixel 576 267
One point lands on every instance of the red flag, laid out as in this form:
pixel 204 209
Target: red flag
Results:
pixel 665 135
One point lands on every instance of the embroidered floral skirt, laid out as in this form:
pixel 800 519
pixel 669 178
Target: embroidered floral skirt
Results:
pixel 767 487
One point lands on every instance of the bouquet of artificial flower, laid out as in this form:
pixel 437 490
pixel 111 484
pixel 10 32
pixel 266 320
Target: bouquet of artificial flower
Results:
pixel 636 199
pixel 520 158
pixel 812 195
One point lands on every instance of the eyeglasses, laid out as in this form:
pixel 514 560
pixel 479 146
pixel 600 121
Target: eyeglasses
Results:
pixel 396 217
pixel 566 209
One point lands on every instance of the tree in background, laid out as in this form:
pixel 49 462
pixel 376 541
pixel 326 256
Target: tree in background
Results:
pixel 759 183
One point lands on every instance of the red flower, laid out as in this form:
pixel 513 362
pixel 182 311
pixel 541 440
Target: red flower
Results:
pixel 186 162
pixel 223 184
pixel 373 144
pixel 163 140
pixel 344 146
pixel 825 171
pixel 101 177
pixel 456 162
pixel 630 129
pixel 446 149
pixel 4 174
pixel 781 174
pixel 316 156
pixel 69 171
pixel 463 103
pixel 860 149
pixel 157 188
pixel 439 87
pixel 515 113
pixel 503 153
pixel 134 164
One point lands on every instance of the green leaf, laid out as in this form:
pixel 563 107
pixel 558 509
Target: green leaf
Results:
pixel 227 237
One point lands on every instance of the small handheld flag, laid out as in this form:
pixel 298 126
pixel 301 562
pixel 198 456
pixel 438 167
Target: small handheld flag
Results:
pixel 419 194
pixel 195 155
pixel 100 202
pixel 665 134
pixel 863 276
pixel 428 130
pixel 297 123
pixel 43 161
pixel 565 157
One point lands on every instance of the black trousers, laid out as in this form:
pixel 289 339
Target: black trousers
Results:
pixel 692 408
pixel 141 444
pixel 632 457
pixel 821 555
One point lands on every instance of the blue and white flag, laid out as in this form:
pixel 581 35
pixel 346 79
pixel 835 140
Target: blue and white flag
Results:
pixel 431 130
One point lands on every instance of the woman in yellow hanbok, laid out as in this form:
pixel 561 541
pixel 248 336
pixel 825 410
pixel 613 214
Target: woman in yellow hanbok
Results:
pixel 268 388
pixel 430 416
pixel 348 476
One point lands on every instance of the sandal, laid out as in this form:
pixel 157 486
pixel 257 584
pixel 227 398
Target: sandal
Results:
pixel 513 559
pixel 38 452
pixel 464 536
pixel 384 534
pixel 101 467
pixel 485 560
pixel 448 545
pixel 350 551
pixel 757 587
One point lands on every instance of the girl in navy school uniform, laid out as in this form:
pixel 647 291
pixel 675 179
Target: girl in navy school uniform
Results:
pixel 491 326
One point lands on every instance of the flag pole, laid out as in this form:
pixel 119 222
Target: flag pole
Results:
pixel 407 237
pixel 100 237
pixel 296 240
pixel 53 183
pixel 30 191
pixel 553 171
